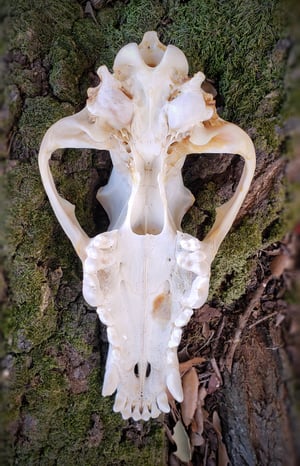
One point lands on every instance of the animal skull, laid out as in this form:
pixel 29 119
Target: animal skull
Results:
pixel 145 276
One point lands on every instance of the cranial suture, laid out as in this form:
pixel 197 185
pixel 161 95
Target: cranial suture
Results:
pixel 144 275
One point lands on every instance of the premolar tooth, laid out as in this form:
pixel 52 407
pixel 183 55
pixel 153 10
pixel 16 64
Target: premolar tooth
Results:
pixel 171 357
pixel 174 385
pixel 105 316
pixel 183 317
pixel 112 336
pixel 175 337
pixel 199 292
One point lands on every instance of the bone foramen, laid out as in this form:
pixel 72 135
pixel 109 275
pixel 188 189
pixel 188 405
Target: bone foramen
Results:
pixel 144 275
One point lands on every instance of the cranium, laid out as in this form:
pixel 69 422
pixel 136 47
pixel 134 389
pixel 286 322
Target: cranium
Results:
pixel 144 275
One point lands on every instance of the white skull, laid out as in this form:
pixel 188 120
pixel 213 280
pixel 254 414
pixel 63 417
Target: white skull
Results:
pixel 144 275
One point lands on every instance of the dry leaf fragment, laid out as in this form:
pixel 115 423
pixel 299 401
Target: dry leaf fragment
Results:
pixel 199 418
pixel 190 384
pixel 223 459
pixel 186 366
pixel 207 313
pixel 279 264
pixel 181 438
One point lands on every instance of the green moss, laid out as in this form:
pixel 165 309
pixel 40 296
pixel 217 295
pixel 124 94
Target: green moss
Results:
pixel 34 25
pixel 237 44
pixel 67 66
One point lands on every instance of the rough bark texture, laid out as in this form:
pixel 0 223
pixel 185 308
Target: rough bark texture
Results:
pixel 53 347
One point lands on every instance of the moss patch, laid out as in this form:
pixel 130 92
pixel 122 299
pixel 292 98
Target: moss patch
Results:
pixel 56 414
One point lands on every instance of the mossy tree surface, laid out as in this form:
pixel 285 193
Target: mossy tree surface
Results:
pixel 54 413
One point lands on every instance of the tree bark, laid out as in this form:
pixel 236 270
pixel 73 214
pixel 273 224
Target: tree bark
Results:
pixel 54 348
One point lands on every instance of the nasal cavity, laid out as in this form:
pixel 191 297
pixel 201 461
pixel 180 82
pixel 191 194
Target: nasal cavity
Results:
pixel 136 370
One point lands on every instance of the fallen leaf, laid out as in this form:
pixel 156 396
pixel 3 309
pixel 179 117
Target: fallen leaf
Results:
pixel 182 441
pixel 223 459
pixel 279 264
pixel 186 366
pixel 198 422
pixel 213 384
pixel 190 384
pixel 207 313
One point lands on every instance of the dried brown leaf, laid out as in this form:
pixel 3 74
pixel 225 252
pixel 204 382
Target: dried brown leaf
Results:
pixel 279 264
pixel 190 384
pixel 181 438
pixel 223 459
pixel 198 421
pixel 187 365
pixel 213 384
pixel 206 313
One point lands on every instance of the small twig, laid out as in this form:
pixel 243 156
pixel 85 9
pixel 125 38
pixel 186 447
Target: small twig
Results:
pixel 243 319
pixel 262 319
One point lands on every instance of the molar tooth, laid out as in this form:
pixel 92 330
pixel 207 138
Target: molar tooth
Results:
pixel 104 241
pixel 90 265
pixel 174 385
pixel 190 244
pixel 92 252
pixel 199 292
pixel 162 402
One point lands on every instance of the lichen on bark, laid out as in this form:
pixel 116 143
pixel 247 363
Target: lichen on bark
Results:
pixel 54 354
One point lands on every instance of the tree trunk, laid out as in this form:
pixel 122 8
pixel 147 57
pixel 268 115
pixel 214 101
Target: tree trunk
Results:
pixel 54 347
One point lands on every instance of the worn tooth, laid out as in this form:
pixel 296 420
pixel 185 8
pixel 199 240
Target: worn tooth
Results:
pixel 174 385
pixel 155 412
pixel 190 244
pixel 103 241
pixel 188 313
pixel 175 337
pixel 145 414
pixel 91 265
pixel 111 380
pixel 181 259
pixel 171 357
pixel 136 414
pixel 199 292
pixel 112 336
pixel 119 403
pixel 105 316
pixel 92 252
pixel 106 259
pixel 126 412
pixel 162 402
